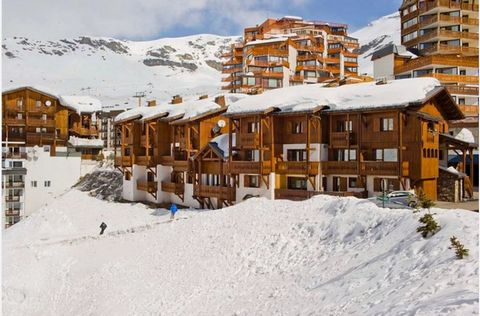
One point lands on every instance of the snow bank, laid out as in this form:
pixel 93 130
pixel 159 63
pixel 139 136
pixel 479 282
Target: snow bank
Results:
pixel 81 103
pixel 85 142
pixel 325 256
pixel 347 97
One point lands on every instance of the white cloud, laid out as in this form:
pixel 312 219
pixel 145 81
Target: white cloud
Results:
pixel 140 19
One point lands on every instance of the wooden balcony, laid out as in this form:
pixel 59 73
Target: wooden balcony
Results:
pixel 315 56
pixel 265 50
pixel 266 63
pixel 125 161
pixel 224 193
pixel 340 167
pixel 232 70
pixel 297 167
pixel 435 60
pixel 12 198
pixel 41 138
pixel 40 122
pixel 12 212
pixel 165 160
pixel 469 110
pixel 297 78
pixel 14 155
pixel 462 90
pixel 14 184
pixel 445 34
pixel 384 168
pixel 228 79
pixel 268 74
pixel 450 49
pixel 332 60
pixel 13 121
pixel 249 167
pixel 446 4
pixel 447 78
pixel 310 67
pixel 232 86
pixel 171 187
pixel 311 48
pixel 294 195
pixel 249 140
pixel 147 186
pixel 148 161
pixel 342 139
pixel 446 19
pixel 83 131
pixel 180 165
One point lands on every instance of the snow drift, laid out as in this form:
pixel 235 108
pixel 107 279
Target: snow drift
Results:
pixel 324 256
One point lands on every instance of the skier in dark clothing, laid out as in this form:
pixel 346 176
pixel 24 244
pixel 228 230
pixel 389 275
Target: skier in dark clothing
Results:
pixel 103 226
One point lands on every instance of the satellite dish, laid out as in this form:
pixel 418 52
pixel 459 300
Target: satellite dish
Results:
pixel 221 123
pixel 48 103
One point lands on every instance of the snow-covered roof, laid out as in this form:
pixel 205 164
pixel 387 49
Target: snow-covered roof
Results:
pixel 452 170
pixel 81 103
pixel 37 88
pixel 466 136
pixel 305 98
pixel 187 110
pixel 292 17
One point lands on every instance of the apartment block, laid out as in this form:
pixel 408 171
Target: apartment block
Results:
pixel 47 140
pixel 289 143
pixel 289 51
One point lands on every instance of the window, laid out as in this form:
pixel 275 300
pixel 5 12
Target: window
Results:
pixel 33 184
pixel 410 23
pixel 352 182
pixel 297 128
pixel 251 155
pixel 251 181
pixel 386 154
pixel 348 126
pixel 297 183
pixel 409 36
pixel 386 124
pixel 38 103
pixel 44 117
pixel 296 155
pixel 252 127
pixel 128 175
pixel 47 183
pixel 392 184
pixel 19 116
pixel 20 103
pixel 17 164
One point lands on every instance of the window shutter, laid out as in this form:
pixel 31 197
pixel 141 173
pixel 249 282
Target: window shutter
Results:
pixel 343 184
pixel 377 187
pixel 376 124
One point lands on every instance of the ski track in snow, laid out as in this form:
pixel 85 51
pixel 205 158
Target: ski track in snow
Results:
pixel 325 256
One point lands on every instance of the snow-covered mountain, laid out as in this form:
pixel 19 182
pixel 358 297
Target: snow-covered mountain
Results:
pixel 114 70
pixel 324 256
pixel 377 34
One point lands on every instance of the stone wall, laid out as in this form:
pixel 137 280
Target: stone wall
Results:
pixel 449 187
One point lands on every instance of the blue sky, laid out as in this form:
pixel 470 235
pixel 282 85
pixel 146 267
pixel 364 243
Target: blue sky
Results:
pixel 151 19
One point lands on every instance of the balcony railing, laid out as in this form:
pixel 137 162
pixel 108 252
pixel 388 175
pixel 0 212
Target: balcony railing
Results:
pixel 12 198
pixel 171 187
pixel 166 160
pixel 224 193
pixel 379 168
pixel 251 140
pixel 14 184
pixel 147 186
pixel 294 195
pixel 180 165
pixel 232 70
pixel 40 122
pixel 430 60
pixel 148 161
pixel 125 161
pixel 450 49
pixel 342 139
pixel 462 90
pixel 14 155
pixel 428 6
pixel 469 109
pixel 453 78
pixel 249 167
pixel 340 167
pixel 297 167
pixel 84 131
pixel 297 78
pixel 13 121
pixel 41 138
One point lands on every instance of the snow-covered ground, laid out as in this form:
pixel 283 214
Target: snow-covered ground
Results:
pixel 325 256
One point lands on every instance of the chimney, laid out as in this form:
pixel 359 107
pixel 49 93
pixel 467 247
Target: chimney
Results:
pixel 202 97
pixel 151 103
pixel 220 100
pixel 177 99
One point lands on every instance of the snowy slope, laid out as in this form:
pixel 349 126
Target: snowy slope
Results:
pixel 377 34
pixel 325 256
pixel 114 70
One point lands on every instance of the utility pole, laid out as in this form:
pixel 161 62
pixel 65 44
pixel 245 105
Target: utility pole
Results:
pixel 139 96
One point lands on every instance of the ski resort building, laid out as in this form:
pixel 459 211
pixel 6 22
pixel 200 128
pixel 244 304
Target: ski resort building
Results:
pixel 47 143
pixel 440 40
pixel 289 51
pixel 289 143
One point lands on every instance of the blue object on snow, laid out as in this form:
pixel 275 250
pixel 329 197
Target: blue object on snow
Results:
pixel 173 208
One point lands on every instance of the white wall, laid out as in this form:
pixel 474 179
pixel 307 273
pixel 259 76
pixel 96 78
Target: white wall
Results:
pixel 383 67
pixel 62 172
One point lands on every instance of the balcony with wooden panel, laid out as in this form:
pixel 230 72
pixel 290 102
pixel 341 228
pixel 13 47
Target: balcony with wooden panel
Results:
pixel 424 61
pixel 310 67
pixel 232 86
pixel 147 161
pixel 310 48
pixel 91 131
pixel 13 121
pixel 125 161
pixel 450 49
pixel 232 70
pixel 266 51
pixel 297 167
pixel 14 136
pixel 469 110
pixel 166 160
pixel 266 63
pixel 181 165
pixel 249 167
pixel 41 138
pixel 445 35
pixel 10 155
pixel 307 57
pixel 294 195
pixel 172 187
pixel 445 5
pixel 462 90
pixel 12 198
pixel 147 186
pixel 208 191
pixel 385 168
pixel 297 78
pixel 446 20
pixel 448 78
pixel 340 167
pixel 14 184
pixel 12 212
pixel 343 139
pixel 32 121
pixel 249 140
